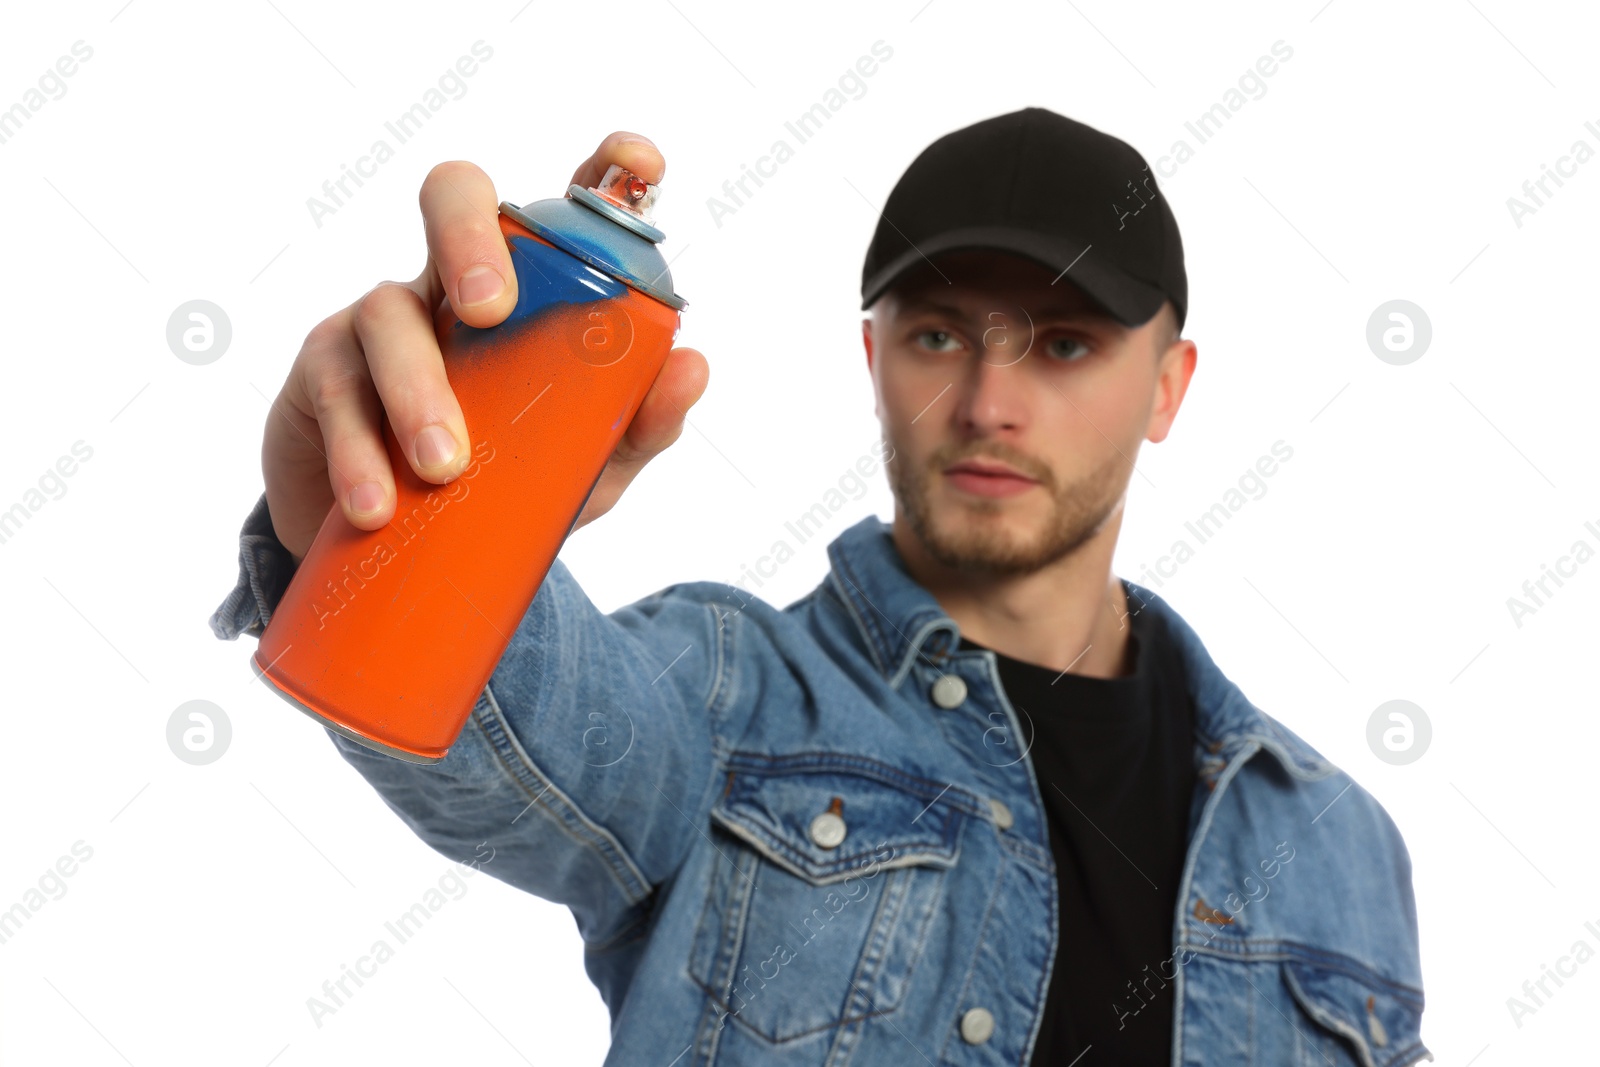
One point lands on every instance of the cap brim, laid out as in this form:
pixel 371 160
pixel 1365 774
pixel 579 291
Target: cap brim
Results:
pixel 1129 300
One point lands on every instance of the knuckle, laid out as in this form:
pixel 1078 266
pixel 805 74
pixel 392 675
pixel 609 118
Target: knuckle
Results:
pixel 326 334
pixel 356 453
pixel 335 387
pixel 383 305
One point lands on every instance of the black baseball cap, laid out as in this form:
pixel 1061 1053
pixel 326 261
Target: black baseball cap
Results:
pixel 1042 186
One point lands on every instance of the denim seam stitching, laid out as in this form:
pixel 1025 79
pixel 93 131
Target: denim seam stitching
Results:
pixel 1328 1021
pixel 1415 1046
pixel 1186 886
pixel 1350 967
pixel 1282 950
pixel 720 663
pixel 972 964
pixel 752 762
pixel 881 930
pixel 868 627
pixel 775 849
pixel 568 816
pixel 725 691
pixel 709 1037
pixel 913 646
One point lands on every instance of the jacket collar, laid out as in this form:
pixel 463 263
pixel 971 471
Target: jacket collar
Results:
pixel 901 622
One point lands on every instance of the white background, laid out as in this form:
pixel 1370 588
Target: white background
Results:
pixel 1376 166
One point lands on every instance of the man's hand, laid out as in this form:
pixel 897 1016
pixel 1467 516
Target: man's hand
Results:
pixel 323 439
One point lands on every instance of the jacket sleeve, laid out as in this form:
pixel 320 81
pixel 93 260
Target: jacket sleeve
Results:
pixel 265 568
pixel 584 772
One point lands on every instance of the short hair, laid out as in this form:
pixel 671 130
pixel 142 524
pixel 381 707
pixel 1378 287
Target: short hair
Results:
pixel 1167 332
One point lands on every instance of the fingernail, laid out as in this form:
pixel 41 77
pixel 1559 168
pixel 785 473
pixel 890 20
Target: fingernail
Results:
pixel 366 498
pixel 436 446
pixel 637 139
pixel 479 285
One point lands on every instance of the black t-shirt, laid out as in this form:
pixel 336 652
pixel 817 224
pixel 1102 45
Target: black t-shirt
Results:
pixel 1115 762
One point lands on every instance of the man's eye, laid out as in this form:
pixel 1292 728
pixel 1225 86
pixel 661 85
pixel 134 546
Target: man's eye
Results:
pixel 938 340
pixel 1067 349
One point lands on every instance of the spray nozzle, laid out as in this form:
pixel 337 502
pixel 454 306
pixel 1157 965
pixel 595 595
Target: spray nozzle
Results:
pixel 624 198
pixel 628 191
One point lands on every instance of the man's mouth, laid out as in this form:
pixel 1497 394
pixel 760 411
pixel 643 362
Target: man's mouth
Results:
pixel 987 478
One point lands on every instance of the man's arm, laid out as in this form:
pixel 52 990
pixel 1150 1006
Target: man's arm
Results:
pixel 587 764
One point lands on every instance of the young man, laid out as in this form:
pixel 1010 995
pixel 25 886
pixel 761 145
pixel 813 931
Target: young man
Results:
pixel 973 800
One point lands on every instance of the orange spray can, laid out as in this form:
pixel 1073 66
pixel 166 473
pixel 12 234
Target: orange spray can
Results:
pixel 389 636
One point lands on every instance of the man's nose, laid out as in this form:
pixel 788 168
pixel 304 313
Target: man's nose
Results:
pixel 996 388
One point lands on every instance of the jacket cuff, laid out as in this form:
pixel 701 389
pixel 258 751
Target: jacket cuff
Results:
pixel 265 567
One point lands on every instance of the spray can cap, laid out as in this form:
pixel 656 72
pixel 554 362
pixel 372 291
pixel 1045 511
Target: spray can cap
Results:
pixel 627 190
pixel 624 198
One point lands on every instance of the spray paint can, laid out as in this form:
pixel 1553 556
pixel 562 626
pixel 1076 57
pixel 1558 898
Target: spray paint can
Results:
pixel 388 636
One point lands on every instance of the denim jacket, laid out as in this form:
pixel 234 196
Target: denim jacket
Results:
pixel 812 835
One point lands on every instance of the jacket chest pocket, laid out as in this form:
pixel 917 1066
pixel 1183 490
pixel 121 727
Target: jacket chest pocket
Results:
pixel 824 884
pixel 1294 1005
pixel 1355 1016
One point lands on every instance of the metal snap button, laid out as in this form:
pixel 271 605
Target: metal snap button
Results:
pixel 828 829
pixel 1002 814
pixel 977 1026
pixel 949 690
pixel 1380 1037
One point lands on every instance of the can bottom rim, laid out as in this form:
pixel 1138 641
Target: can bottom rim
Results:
pixel 339 728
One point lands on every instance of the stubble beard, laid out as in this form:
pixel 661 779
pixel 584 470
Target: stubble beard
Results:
pixel 976 536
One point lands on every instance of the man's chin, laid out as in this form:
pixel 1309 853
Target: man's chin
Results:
pixel 983 539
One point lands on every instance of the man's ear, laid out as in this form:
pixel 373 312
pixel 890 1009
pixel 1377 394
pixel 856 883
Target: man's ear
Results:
pixel 866 340
pixel 1177 368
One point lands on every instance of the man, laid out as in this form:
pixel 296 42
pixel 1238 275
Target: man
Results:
pixel 975 799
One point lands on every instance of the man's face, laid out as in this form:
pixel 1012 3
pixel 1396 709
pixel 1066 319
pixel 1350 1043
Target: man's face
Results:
pixel 981 363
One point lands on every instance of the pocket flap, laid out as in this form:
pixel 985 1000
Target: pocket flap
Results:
pixel 888 820
pixel 1381 1019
